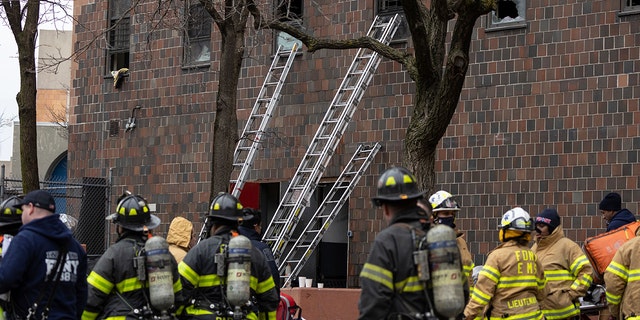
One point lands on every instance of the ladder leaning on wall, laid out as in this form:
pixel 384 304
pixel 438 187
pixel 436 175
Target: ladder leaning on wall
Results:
pixel 299 253
pixel 324 143
pixel 251 136
pixel 261 113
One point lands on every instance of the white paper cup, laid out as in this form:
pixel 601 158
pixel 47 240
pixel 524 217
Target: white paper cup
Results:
pixel 308 283
pixel 320 285
pixel 302 281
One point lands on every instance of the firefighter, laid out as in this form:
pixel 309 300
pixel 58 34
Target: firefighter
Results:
pixel 443 210
pixel 252 229
pixel 118 286
pixel 390 285
pixel 511 282
pixel 10 219
pixel 566 267
pixel 204 277
pixel 622 281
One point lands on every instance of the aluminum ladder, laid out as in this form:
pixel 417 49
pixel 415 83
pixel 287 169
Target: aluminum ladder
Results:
pixel 327 137
pixel 261 113
pixel 251 137
pixel 310 237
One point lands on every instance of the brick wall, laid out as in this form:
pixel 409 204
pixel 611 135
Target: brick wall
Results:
pixel 548 117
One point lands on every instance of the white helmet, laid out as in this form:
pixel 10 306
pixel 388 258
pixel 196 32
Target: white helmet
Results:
pixel 443 201
pixel 517 219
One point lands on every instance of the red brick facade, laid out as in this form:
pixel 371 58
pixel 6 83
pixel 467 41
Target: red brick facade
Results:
pixel 548 117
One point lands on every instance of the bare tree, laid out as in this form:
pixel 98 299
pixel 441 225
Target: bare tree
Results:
pixel 23 18
pixel 438 73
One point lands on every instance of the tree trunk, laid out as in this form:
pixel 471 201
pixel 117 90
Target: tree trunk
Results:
pixel 24 26
pixel 225 128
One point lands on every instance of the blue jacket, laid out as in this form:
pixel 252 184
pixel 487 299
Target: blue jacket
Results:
pixel 31 256
pixel 266 250
pixel 621 218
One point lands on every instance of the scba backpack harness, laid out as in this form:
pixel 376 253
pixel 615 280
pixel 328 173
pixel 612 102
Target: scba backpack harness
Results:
pixel 437 261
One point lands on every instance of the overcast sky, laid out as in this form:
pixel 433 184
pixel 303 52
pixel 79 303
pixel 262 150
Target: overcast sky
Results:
pixel 9 87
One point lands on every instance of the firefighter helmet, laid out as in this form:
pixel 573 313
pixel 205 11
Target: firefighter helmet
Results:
pixel 9 213
pixel 443 201
pixel 227 207
pixel 397 184
pixel 517 219
pixel 133 213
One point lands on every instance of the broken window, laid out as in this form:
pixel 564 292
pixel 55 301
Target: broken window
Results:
pixel 197 46
pixel 289 11
pixel 390 8
pixel 632 3
pixel 509 11
pixel 119 34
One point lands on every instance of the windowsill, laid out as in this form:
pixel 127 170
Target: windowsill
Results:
pixel 506 26
pixel 201 65
pixel 629 11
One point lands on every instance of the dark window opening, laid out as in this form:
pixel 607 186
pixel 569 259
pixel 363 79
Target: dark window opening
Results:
pixel 509 11
pixel 119 34
pixel 289 10
pixel 389 8
pixel 197 48
pixel 631 3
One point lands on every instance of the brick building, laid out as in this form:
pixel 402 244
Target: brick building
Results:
pixel 548 117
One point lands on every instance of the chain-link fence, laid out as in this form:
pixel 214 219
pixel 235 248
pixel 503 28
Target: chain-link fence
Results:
pixel 82 203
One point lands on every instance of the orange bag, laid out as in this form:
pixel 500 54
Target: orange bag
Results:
pixel 601 248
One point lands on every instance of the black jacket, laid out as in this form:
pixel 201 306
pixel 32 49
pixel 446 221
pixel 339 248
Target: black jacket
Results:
pixel 389 281
pixel 203 288
pixel 266 250
pixel 114 288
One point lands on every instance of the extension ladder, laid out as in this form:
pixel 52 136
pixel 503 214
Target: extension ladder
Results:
pixel 304 246
pixel 261 113
pixel 327 137
pixel 267 99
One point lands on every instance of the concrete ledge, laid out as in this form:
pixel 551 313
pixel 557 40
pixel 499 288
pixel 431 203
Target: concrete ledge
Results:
pixel 326 303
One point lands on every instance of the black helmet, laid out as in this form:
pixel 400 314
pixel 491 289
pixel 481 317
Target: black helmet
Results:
pixel 397 184
pixel 9 213
pixel 133 213
pixel 226 207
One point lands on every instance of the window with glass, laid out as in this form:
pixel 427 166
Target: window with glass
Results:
pixel 197 47
pixel 289 11
pixel 119 34
pixel 631 4
pixel 390 8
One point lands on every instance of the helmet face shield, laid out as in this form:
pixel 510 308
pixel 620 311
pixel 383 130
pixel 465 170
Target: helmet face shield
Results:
pixel 443 201
pixel 517 219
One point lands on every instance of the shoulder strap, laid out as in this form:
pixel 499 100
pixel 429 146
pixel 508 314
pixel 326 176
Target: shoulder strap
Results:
pixel 53 277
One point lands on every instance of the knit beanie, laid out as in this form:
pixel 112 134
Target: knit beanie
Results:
pixel 611 202
pixel 549 217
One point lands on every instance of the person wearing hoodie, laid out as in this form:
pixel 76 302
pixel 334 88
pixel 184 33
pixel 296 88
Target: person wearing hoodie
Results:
pixel 252 229
pixel 612 212
pixel 180 237
pixel 566 267
pixel 45 268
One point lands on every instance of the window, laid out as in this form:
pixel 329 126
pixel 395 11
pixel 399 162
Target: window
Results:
pixel 289 11
pixel 197 47
pixel 119 33
pixel 508 12
pixel 631 4
pixel 390 8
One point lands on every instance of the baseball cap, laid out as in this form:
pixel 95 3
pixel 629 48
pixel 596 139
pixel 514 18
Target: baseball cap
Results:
pixel 39 198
